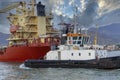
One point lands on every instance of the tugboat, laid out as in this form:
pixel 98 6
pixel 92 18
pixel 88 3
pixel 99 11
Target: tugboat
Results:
pixel 76 53
pixel 32 34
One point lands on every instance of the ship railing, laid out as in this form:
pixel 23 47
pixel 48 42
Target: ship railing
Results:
pixel 31 30
pixel 30 23
pixel 19 44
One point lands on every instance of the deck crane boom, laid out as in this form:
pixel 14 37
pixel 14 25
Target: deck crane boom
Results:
pixel 9 7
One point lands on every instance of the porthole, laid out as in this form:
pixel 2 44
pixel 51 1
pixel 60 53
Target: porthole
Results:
pixel 79 54
pixel 72 54
pixel 89 54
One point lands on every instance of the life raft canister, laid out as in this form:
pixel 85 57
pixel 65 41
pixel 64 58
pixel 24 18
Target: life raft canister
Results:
pixel 14 28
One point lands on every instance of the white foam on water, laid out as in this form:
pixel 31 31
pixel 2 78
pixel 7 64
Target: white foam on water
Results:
pixel 22 66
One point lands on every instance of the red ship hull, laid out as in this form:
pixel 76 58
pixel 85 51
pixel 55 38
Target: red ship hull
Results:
pixel 22 53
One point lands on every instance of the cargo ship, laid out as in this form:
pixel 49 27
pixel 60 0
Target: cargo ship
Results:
pixel 31 32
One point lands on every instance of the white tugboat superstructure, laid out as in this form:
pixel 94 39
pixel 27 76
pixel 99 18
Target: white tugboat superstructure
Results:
pixel 76 48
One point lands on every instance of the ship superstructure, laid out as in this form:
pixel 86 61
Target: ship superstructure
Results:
pixel 26 26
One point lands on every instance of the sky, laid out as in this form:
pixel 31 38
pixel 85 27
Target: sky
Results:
pixel 88 12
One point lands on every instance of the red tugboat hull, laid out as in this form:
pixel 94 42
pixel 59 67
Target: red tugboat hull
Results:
pixel 22 53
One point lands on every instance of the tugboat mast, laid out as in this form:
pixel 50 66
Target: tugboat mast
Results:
pixel 75 21
pixel 96 36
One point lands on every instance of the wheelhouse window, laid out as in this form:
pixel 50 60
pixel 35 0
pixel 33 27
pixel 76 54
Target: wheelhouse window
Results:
pixel 79 42
pixel 79 38
pixel 74 42
pixel 87 39
pixel 74 38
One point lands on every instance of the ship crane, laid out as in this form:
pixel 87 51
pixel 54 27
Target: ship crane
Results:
pixel 10 7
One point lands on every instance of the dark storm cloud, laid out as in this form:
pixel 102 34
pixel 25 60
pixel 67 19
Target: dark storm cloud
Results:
pixel 90 12
pixel 87 17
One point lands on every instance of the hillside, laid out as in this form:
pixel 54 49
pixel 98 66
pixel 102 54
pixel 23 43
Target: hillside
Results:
pixel 3 38
pixel 108 34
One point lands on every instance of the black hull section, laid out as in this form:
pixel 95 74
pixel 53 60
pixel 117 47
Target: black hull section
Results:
pixel 104 63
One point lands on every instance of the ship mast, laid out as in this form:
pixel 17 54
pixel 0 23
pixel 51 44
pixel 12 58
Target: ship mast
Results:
pixel 75 18
pixel 33 4
pixel 75 21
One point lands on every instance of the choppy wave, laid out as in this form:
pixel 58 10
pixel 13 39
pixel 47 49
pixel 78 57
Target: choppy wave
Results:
pixel 17 71
pixel 22 66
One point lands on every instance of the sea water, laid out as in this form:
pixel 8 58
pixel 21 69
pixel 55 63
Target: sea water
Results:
pixel 14 71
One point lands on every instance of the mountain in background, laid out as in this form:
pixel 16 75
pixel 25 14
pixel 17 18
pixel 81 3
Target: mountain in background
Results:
pixel 109 34
pixel 3 38
pixel 112 30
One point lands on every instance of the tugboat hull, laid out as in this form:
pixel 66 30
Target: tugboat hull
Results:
pixel 105 63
